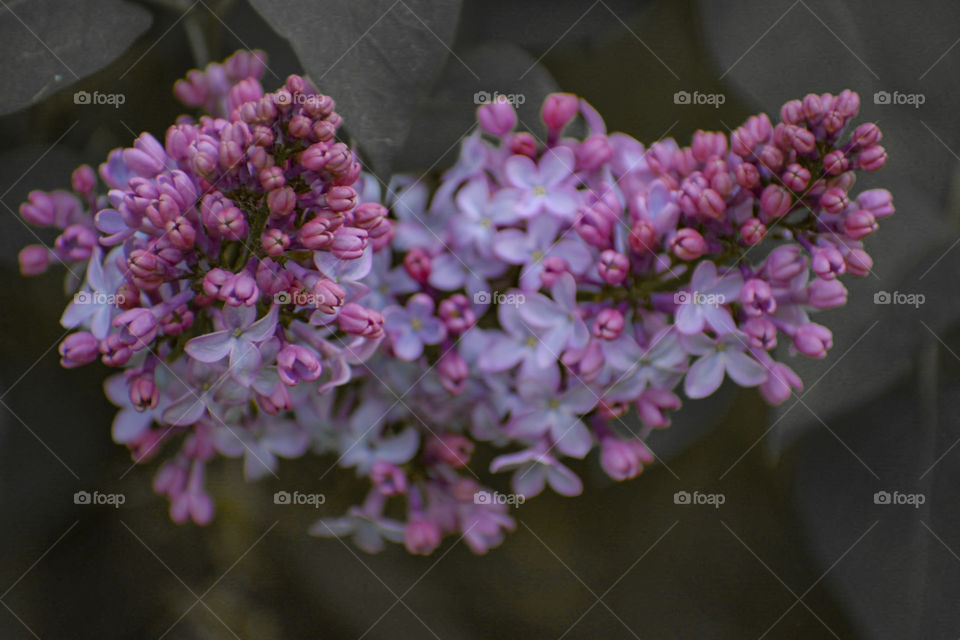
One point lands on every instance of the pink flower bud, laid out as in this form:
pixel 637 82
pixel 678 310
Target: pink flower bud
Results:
pixel 281 201
pixel 240 290
pixel 826 294
pixel 866 135
pixel 813 107
pixel 300 126
pixel 523 144
pixel 341 198
pixel 828 263
pixel 593 153
pixel 498 118
pixel 143 393
pixel 360 321
pixel 780 381
pixel 747 175
pixel 274 242
pixel 752 231
pixel 33 259
pixel 872 158
pixel 296 363
pixel 613 266
pixel 214 279
pixel 761 333
pixel 653 404
pixel 609 324
pixel 553 268
pixel 328 296
pixel 146 269
pixel 272 178
pixel 388 478
pixel 585 363
pixel 349 243
pixel 800 139
pixel 448 448
pixel 742 142
pixel 784 263
pixel 78 349
pixel 231 223
pixel 623 459
pixel 453 372
pixel 813 340
pixel 317 233
pixel 757 298
pixel 688 244
pixel 559 109
pixel 457 313
pixel 369 215
pixel 643 237
pixel 796 178
pixel 792 112
pixel 775 202
pixel 181 233
pixel 858 224
pixel 835 162
pixel 834 200
pixel 83 179
pixel 115 351
pixel 39 210
pixel 138 328
pixel 418 264
pixel 771 158
pixel 858 262
pixel 710 204
pixel 421 536
pixel 878 202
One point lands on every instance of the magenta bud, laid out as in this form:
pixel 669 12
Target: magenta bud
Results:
pixel 747 175
pixel 801 139
pixel 742 142
pixel 39 210
pixel 498 118
pixel 835 162
pixel 231 223
pixel 872 158
pixel 848 103
pixel 453 372
pixel 296 363
pixel 771 157
pixel 860 223
pixel 457 313
pixel 78 349
pixel 586 363
pixel 623 459
pixel 813 340
pixel 317 233
pixel 559 109
pixel 143 393
pixel 328 296
pixel 213 280
pixel 858 262
pixel 752 231
pixel 757 297
pixel 324 130
pixel 780 383
pixel 181 233
pixel 114 351
pixel 341 198
pixel 418 263
pixel 879 202
pixel 813 107
pixel 281 201
pixel 613 266
pixel 421 536
pixel 523 144
pixel 33 259
pixel 827 262
pixel 796 178
pixel 653 404
pixel 593 153
pixel 553 268
pixel 711 204
pixel 360 321
pixel 826 294
pixel 643 237
pixel 688 244
pixel 866 135
pixel 609 324
pixel 83 179
pixel 775 202
pixel 300 126
pixel 272 178
pixel 792 112
pixel 761 333
pixel 369 214
pixel 834 200
pixel 274 242
pixel 448 448
pixel 784 263
pixel 240 290
pixel 138 327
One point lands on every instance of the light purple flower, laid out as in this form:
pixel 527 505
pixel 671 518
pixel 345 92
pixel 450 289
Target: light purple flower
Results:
pixel 547 412
pixel 558 320
pixel 727 355
pixel 538 243
pixel 95 305
pixel 535 468
pixel 660 364
pixel 544 186
pixel 239 339
pixel 479 214
pixel 413 326
pixel 703 304
pixel 261 443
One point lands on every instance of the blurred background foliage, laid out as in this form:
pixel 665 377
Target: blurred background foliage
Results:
pixel 798 550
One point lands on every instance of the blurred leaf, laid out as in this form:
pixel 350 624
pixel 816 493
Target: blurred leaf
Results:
pixel 377 59
pixel 449 113
pixel 48 46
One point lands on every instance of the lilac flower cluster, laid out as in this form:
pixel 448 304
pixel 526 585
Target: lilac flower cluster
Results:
pixel 221 274
pixel 265 297
pixel 547 287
